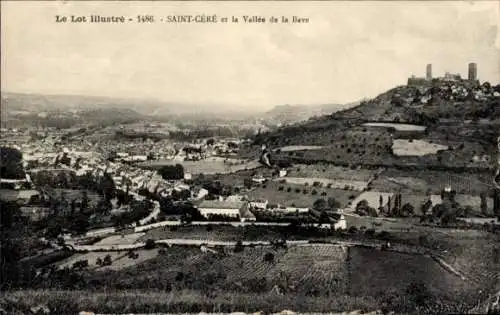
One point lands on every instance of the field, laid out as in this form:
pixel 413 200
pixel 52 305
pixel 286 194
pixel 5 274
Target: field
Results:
pixel 91 258
pixel 334 183
pixel 214 233
pixel 402 147
pixel 330 171
pixel 315 270
pixel 299 148
pixel 293 195
pixel 419 181
pixel 119 260
pixel 396 271
pixel 212 165
pixel 399 127
pixel 125 239
pixel 180 302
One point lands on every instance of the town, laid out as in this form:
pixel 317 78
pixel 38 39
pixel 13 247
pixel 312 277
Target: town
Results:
pixel 286 158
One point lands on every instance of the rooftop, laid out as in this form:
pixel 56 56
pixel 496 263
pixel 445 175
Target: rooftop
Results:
pixel 217 204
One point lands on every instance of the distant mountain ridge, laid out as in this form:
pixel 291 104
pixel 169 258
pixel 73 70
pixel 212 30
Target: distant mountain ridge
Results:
pixel 296 113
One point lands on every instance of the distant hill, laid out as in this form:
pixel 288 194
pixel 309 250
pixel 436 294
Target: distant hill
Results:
pixel 286 114
pixel 27 102
pixel 20 106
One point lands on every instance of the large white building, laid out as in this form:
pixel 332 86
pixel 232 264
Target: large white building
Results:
pixel 218 207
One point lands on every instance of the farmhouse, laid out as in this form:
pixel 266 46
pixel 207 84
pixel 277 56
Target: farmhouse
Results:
pixel 258 179
pixel 226 208
pixel 258 204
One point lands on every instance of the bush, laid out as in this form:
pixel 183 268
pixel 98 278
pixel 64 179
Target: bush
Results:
pixel 81 264
pixel 281 188
pixel 238 248
pixel 370 232
pixel 384 235
pixel 289 189
pixel 150 244
pixel 269 257
pixel 63 306
pixel 314 192
pixel 107 261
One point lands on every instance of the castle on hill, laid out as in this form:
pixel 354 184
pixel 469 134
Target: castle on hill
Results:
pixel 448 77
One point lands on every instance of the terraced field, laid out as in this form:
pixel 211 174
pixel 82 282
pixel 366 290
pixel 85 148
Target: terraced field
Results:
pixel 479 262
pixel 320 269
pixel 211 233
pixel 372 272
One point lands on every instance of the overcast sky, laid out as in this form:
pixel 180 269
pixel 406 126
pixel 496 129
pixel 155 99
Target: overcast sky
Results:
pixel 347 51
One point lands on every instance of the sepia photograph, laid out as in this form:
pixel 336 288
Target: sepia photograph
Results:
pixel 250 158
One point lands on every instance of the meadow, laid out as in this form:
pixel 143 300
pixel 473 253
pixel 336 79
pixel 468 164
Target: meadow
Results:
pixel 399 127
pixel 298 195
pixel 329 171
pixel 402 147
pixel 421 181
pixel 299 148
pixel 213 165
pixel 125 239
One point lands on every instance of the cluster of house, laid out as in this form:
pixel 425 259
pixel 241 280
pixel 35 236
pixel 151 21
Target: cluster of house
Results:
pixel 81 159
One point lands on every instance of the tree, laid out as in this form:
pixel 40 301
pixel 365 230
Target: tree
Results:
pixel 54 229
pixel 79 224
pixel 407 210
pixel 11 163
pixel 107 187
pixel 172 172
pixel 150 244
pixel 320 204
pixel 247 182
pixel 85 202
pixel 190 213
pixel 269 257
pixel 81 264
pixel 426 207
pixel 484 204
pixel 107 261
pixel 324 218
pixel 333 204
pixel 362 207
pixel 238 248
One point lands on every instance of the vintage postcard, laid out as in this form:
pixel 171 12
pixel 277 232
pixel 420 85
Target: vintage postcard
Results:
pixel 270 157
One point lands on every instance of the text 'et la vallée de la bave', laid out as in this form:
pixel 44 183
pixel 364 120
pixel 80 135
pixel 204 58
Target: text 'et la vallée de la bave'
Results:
pixel 245 19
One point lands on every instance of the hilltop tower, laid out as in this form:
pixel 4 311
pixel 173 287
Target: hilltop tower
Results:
pixel 428 72
pixel 472 71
